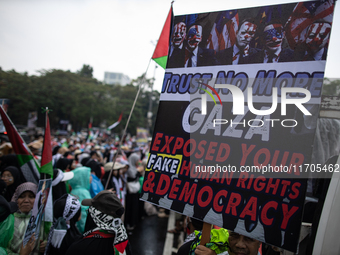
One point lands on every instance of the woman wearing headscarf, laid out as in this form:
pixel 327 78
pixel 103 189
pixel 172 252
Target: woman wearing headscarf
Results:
pixel 104 231
pixel 64 164
pixel 24 196
pixel 13 178
pixel 64 232
pixel 80 184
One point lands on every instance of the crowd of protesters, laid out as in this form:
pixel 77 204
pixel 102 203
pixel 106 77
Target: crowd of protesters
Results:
pixel 96 206
pixel 95 192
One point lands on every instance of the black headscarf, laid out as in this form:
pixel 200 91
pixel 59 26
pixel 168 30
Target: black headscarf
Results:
pixel 55 150
pixel 9 160
pixel 18 179
pixel 63 163
pixel 95 167
pixel 59 189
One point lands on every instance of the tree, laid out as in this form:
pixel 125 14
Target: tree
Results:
pixel 86 71
pixel 331 87
pixel 75 98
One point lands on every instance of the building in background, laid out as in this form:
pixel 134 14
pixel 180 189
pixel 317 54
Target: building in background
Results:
pixel 116 78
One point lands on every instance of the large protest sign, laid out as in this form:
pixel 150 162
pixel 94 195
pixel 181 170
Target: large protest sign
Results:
pixel 237 116
pixel 142 135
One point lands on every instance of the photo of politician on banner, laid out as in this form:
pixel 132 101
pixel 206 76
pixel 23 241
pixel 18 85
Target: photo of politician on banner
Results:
pixel 233 138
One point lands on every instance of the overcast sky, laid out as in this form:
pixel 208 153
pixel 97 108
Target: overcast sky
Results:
pixel 109 35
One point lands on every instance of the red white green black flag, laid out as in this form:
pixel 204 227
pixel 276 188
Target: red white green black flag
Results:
pixel 29 166
pixel 46 157
pixel 160 55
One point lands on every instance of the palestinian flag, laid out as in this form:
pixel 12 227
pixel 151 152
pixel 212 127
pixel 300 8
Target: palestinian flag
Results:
pixel 116 123
pixel 29 166
pixel 47 168
pixel 160 55
pixel 90 134
pixel 46 156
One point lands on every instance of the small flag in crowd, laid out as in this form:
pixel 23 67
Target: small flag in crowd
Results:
pixel 29 167
pixel 116 123
pixel 90 135
pixel 160 55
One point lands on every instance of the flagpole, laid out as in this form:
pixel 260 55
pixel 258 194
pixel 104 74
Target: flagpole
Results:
pixel 127 123
pixel 153 56
pixel 46 109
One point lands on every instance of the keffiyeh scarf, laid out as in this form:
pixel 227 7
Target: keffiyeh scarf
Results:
pixel 107 226
pixel 60 225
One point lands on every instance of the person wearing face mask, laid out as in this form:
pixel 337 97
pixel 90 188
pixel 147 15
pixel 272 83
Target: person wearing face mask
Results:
pixel 317 38
pixel 176 51
pixel 273 36
pixel 240 51
pixel 195 55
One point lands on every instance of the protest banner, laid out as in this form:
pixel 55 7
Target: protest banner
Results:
pixel 34 225
pixel 142 135
pixel 237 116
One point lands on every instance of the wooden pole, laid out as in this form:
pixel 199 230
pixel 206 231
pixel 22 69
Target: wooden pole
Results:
pixel 206 233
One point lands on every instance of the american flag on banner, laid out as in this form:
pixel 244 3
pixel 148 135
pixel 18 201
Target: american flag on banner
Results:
pixel 223 33
pixel 264 16
pixel 304 14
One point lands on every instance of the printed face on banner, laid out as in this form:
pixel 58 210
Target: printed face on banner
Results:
pixel 273 36
pixel 318 36
pixel 245 33
pixel 194 36
pixel 179 34
pixel 233 138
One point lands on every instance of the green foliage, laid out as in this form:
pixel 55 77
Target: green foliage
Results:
pixel 75 97
pixel 86 71
pixel 331 87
